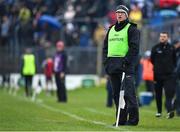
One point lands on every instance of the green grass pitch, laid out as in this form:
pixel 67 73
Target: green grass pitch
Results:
pixel 85 111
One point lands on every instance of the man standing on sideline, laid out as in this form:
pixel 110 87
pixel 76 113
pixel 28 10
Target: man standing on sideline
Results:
pixel 163 57
pixel 60 69
pixel 120 54
pixel 28 70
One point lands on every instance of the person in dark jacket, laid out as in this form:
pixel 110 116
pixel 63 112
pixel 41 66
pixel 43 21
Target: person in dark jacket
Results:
pixel 163 57
pixel 60 70
pixel 177 102
pixel 120 54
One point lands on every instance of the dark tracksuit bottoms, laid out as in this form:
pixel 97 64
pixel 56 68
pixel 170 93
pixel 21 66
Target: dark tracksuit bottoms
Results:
pixel 61 91
pixel 131 107
pixel 109 94
pixel 169 88
pixel 149 86
pixel 28 84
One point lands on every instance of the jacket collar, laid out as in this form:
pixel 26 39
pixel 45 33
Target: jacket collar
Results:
pixel 121 25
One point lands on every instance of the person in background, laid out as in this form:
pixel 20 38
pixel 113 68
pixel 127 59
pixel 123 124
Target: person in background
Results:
pixel 60 71
pixel 147 73
pixel 163 58
pixel 120 54
pixel 136 15
pixel 28 70
pixel 177 103
pixel 48 72
pixel 4 32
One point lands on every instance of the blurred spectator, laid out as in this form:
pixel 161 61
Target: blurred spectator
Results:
pixel 25 33
pixel 69 35
pixel 48 71
pixel 99 34
pixel 60 71
pixel 5 27
pixel 98 8
pixel 147 9
pixel 111 5
pixel 111 17
pixel 135 15
pixel 168 3
pixel 147 74
pixel 82 7
pixel 84 37
pixel 2 8
pixel 28 70
pixel 140 3
pixel 69 13
pixel 110 14
pixel 24 14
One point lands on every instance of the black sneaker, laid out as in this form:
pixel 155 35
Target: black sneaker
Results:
pixel 170 115
pixel 131 124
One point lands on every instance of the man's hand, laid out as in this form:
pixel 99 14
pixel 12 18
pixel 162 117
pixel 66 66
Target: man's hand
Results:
pixel 62 75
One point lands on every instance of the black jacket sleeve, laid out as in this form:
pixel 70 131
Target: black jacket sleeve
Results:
pixel 152 55
pixel 174 57
pixel 133 43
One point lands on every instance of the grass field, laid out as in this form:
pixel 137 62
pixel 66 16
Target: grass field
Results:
pixel 85 111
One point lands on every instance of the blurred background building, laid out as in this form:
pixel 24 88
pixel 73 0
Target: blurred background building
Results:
pixel 81 24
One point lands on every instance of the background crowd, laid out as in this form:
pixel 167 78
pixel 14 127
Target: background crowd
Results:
pixel 82 21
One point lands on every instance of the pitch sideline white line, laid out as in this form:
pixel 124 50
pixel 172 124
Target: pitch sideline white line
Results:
pixel 79 118
pixel 70 114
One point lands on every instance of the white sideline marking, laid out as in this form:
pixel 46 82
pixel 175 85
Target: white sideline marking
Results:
pixel 97 112
pixel 78 117
pixel 69 114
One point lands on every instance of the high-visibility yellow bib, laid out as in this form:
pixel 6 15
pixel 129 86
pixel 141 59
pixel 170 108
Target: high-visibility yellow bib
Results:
pixel 118 42
pixel 29 67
